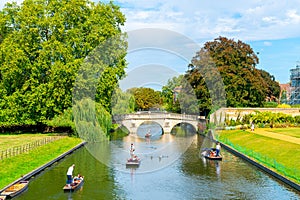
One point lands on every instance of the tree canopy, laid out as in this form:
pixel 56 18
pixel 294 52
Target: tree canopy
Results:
pixel 145 98
pixel 235 61
pixel 42 46
pixel 171 103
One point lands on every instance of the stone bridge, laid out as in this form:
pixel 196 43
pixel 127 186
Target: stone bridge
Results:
pixel 166 120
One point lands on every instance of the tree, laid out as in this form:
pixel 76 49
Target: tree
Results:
pixel 170 103
pixel 123 102
pixel 235 62
pixel 42 46
pixel 92 121
pixel 145 98
pixel 179 97
pixel 273 90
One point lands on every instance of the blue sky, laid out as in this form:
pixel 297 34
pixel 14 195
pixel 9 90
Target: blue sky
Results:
pixel 271 27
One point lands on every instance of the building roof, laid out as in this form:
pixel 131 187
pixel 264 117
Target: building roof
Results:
pixel 285 87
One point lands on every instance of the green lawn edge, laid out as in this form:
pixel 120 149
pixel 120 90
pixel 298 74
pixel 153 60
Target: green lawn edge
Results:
pixel 13 168
pixel 278 155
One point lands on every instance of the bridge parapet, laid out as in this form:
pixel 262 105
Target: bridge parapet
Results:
pixel 166 120
pixel 154 115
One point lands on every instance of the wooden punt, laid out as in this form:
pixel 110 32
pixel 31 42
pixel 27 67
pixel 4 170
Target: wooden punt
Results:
pixel 77 183
pixel 15 189
pixel 208 153
pixel 2 197
pixel 133 162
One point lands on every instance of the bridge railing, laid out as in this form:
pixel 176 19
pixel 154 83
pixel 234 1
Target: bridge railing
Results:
pixel 155 115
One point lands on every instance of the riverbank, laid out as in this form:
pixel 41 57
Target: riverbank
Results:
pixel 11 169
pixel 277 150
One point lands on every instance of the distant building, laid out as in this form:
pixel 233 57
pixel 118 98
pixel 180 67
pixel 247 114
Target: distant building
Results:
pixel 295 85
pixel 285 93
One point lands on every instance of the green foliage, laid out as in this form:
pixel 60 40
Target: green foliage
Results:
pixel 295 106
pixel 245 85
pixel 170 103
pixel 269 119
pixel 273 87
pixel 179 97
pixel 270 105
pixel 119 133
pixel 122 102
pixel 265 120
pixel 42 46
pixel 145 98
pixel 65 119
pixel 211 126
pixel 284 106
pixel 92 121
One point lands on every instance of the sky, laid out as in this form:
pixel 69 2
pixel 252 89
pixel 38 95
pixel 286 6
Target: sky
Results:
pixel 270 27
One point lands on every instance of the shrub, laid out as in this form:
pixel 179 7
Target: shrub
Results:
pixel 270 105
pixel 283 106
pixel 63 120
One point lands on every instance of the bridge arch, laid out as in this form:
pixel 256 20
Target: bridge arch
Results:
pixel 166 120
pixel 185 127
pixel 152 127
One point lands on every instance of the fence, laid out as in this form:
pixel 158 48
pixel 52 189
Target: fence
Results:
pixel 265 160
pixel 26 147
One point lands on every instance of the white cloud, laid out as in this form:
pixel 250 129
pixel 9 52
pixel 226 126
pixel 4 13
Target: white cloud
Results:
pixel 247 20
pixel 256 20
pixel 252 20
pixel 267 43
pixel 293 16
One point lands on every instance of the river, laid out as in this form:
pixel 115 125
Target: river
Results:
pixel 171 168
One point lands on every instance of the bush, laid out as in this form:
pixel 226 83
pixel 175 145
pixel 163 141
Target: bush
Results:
pixel 270 105
pixel 295 106
pixel 64 120
pixel 283 106
pixel 211 126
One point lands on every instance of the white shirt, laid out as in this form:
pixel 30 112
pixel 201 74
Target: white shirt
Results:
pixel 132 147
pixel 218 147
pixel 70 170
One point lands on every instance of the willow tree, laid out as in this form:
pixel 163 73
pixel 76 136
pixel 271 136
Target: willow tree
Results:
pixel 42 46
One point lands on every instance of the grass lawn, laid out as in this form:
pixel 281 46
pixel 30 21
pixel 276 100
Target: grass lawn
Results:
pixel 9 141
pixel 14 167
pixel 285 153
pixel 294 132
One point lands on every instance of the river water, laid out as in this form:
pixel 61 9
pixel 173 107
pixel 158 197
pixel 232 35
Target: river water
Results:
pixel 171 168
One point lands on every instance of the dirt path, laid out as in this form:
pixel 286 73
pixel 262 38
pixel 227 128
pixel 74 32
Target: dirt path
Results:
pixel 277 136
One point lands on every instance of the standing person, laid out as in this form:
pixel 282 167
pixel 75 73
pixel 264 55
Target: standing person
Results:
pixel 218 149
pixel 252 126
pixel 70 175
pixel 132 149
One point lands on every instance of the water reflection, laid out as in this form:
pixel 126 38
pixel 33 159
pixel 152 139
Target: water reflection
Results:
pixel 152 128
pixel 155 152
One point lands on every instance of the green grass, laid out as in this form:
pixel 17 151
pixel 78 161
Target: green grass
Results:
pixel 14 167
pixel 294 132
pixel 9 141
pixel 284 153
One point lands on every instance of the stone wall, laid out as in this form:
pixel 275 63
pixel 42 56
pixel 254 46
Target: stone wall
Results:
pixel 218 117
